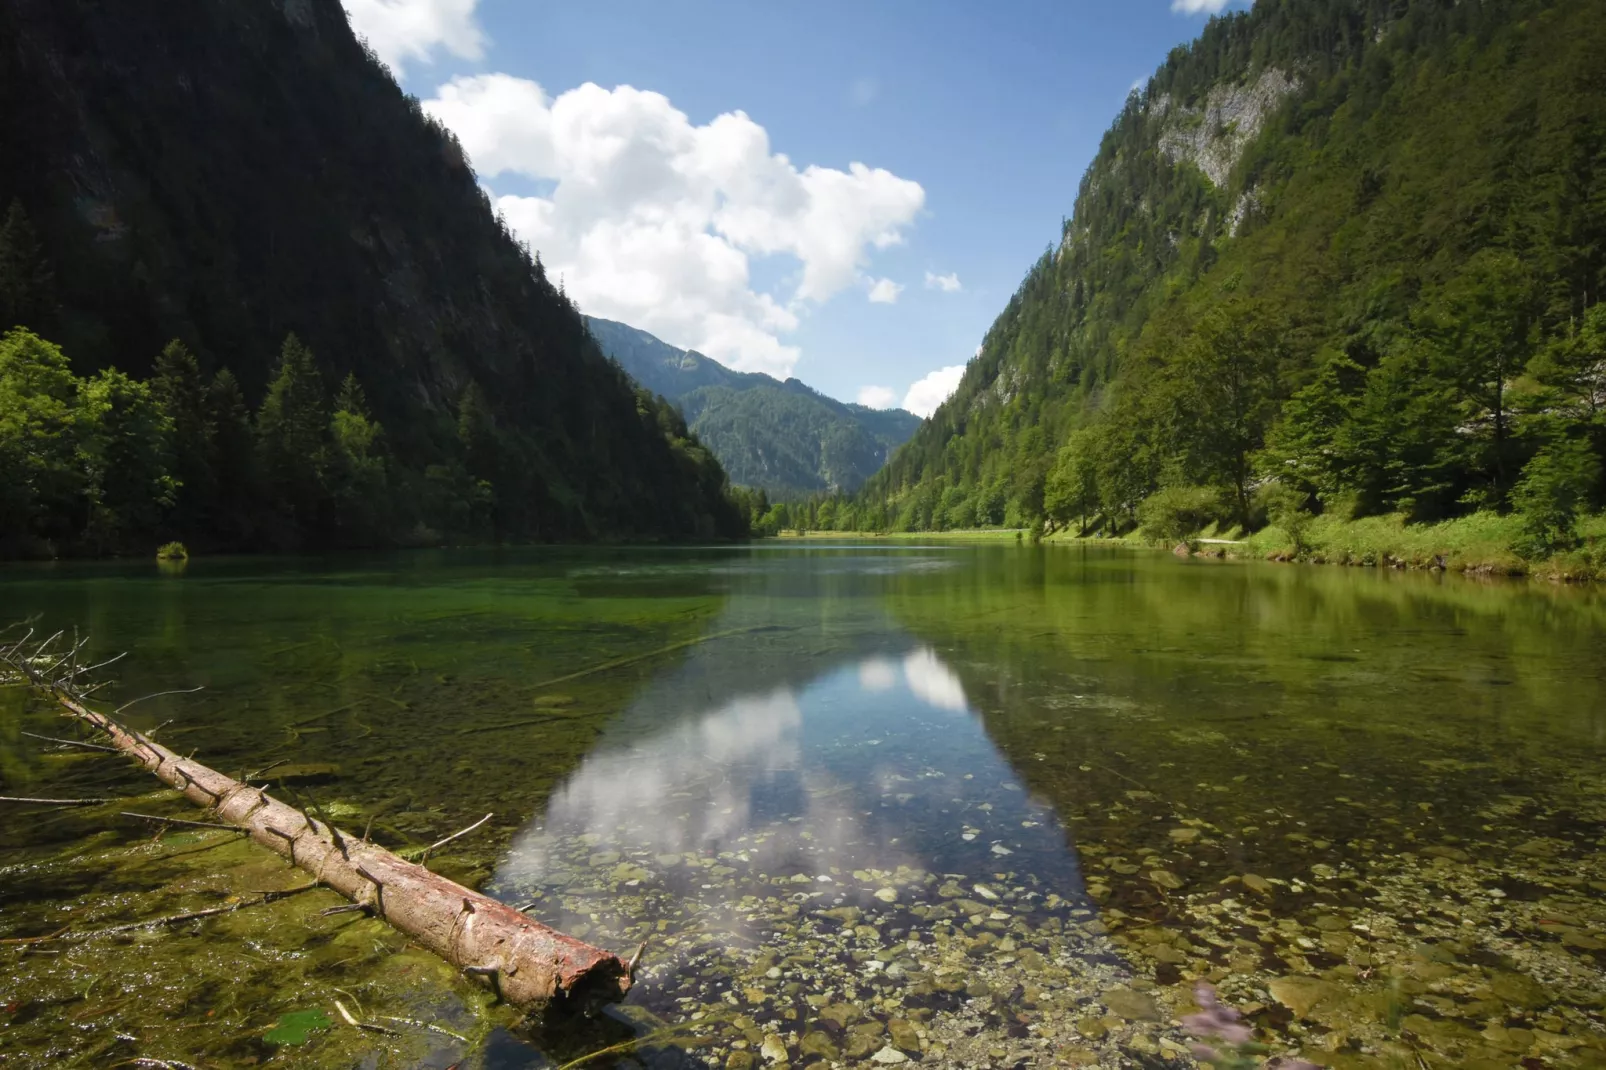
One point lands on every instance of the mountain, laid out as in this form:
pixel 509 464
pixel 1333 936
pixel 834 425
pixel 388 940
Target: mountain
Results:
pixel 1340 256
pixel 784 437
pixel 231 172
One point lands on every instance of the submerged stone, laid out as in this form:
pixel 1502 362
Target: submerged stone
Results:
pixel 1301 994
pixel 1131 1005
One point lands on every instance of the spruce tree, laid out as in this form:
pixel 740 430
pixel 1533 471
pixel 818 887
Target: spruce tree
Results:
pixel 27 284
pixel 293 430
pixel 233 460
pixel 181 394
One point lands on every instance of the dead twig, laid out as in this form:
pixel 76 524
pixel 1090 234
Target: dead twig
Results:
pixel 72 743
pixel 157 694
pixel 54 802
pixel 181 821
pixel 190 915
pixel 369 1026
pixel 453 836
pixel 433 1028
pixel 17 940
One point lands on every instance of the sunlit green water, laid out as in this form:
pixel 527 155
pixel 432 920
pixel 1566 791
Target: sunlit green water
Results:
pixel 971 805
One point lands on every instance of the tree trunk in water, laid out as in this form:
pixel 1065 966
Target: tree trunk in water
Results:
pixel 525 962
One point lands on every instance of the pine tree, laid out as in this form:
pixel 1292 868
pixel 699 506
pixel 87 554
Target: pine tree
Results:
pixel 181 394
pixel 357 475
pixel 293 430
pixel 27 284
pixel 234 461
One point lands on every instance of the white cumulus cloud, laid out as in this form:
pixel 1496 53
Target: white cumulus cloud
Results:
pixel 876 397
pixel 948 283
pixel 654 220
pixel 404 30
pixel 884 291
pixel 1199 7
pixel 926 394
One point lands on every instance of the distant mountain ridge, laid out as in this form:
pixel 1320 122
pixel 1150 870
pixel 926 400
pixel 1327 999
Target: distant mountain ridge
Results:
pixel 785 437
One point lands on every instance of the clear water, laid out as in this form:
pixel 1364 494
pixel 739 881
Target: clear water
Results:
pixel 966 805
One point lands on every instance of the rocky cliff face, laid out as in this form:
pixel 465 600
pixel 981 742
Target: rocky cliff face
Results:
pixel 1213 135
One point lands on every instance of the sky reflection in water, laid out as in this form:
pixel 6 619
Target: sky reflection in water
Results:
pixel 877 768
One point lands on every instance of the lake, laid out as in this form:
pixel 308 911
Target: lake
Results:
pixel 878 802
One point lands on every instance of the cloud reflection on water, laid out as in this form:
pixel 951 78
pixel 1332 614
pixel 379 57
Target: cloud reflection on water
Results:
pixel 863 768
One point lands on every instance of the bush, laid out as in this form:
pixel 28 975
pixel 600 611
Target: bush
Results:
pixel 1553 491
pixel 172 551
pixel 1172 514
pixel 1285 507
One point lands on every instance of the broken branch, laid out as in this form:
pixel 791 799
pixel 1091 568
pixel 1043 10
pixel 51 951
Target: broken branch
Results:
pixel 453 836
pixel 181 821
pixel 54 802
pixel 71 742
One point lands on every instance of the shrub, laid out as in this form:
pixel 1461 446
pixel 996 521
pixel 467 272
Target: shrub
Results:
pixel 1285 507
pixel 172 551
pixel 1174 513
pixel 1554 489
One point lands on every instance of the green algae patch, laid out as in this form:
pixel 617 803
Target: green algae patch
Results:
pixel 297 1027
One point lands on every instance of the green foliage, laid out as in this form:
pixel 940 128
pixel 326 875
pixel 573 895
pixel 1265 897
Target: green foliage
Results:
pixel 293 432
pixel 41 480
pixel 123 446
pixel 1072 490
pixel 172 551
pixel 1384 299
pixel 181 393
pixel 359 479
pixel 1285 507
pixel 1555 488
pixel 1175 513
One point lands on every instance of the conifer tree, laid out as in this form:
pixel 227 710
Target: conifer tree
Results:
pixel 293 430
pixel 357 474
pixel 27 284
pixel 234 460
pixel 181 394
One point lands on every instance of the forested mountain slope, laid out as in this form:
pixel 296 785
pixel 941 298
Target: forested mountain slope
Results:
pixel 227 173
pixel 783 437
pixel 1347 251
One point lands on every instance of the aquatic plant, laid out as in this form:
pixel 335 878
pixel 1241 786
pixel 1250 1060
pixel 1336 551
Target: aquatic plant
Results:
pixel 1231 1041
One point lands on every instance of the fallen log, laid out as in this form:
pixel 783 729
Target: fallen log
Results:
pixel 525 962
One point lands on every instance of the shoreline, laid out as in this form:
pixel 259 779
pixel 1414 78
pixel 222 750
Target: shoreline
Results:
pixel 1479 545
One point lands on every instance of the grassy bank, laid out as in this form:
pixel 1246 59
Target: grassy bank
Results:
pixel 1481 543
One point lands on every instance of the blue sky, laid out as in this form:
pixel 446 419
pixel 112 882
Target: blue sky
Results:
pixel 845 192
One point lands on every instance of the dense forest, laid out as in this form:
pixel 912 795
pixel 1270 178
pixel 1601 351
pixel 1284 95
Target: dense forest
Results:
pixel 267 305
pixel 784 437
pixel 1340 257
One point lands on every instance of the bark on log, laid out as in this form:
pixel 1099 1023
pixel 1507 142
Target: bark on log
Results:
pixel 524 961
